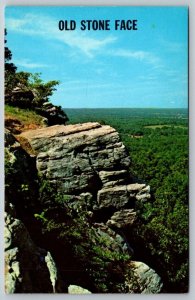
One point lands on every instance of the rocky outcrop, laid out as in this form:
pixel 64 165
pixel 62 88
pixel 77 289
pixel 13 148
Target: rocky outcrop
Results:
pixel 122 218
pixel 29 269
pixel 20 96
pixel 144 279
pixel 78 290
pixel 89 165
pixel 120 195
pixel 114 241
pixel 87 158
pixel 25 97
pixel 52 114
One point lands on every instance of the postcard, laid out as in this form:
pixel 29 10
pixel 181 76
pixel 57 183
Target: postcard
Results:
pixel 96 150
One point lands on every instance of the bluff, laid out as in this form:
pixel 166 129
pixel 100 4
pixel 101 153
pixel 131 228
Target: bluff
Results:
pixel 88 166
pixel 87 158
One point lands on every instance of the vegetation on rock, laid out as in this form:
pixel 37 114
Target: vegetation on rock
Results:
pixel 90 254
pixel 157 140
pixel 29 91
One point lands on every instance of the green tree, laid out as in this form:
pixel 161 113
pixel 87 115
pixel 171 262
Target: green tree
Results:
pixel 10 69
pixel 33 91
pixel 42 91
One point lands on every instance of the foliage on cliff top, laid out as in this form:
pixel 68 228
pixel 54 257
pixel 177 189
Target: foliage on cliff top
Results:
pixel 29 92
pixel 24 89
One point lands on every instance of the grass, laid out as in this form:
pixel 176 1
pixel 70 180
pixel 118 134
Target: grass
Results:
pixel 18 120
pixel 24 116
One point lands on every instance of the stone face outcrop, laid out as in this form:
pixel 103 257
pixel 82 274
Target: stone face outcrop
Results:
pixel 89 159
pixel 89 165
pixel 86 158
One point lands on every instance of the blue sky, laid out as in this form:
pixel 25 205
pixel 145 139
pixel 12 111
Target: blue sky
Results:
pixel 143 68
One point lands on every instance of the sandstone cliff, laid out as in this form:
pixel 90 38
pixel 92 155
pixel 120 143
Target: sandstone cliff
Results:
pixel 88 164
pixel 88 158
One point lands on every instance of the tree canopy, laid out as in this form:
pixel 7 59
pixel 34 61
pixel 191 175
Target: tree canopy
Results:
pixel 25 89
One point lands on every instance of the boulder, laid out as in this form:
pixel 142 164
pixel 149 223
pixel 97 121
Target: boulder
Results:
pixel 28 268
pixel 143 279
pixel 122 218
pixel 87 158
pixel 75 289
pixel 114 241
pixel 52 113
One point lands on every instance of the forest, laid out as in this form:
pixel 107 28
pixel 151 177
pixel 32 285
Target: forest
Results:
pixel 157 141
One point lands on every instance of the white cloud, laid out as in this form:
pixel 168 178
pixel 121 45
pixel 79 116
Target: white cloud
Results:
pixel 28 64
pixel 16 23
pixel 144 56
pixel 47 28
pixel 73 85
pixel 172 46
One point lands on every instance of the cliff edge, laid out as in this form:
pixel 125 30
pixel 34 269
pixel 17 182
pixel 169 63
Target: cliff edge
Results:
pixel 87 167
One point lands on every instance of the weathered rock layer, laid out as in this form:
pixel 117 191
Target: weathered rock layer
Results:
pixel 89 165
pixel 87 158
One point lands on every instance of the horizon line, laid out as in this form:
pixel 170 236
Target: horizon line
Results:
pixel 125 108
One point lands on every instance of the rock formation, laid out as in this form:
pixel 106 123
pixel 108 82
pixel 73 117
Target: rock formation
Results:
pixel 89 164
pixel 26 97
pixel 52 114
pixel 146 281
pixel 28 268
pixel 87 158
pixel 74 289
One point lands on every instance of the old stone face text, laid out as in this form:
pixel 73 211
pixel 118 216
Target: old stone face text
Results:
pixel 94 25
